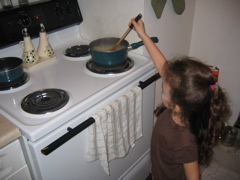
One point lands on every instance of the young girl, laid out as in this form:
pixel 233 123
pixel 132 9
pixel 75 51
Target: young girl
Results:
pixel 187 126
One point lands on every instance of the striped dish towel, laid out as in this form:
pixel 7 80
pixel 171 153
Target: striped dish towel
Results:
pixel 117 126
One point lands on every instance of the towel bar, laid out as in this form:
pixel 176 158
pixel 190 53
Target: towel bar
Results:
pixel 74 131
pixel 149 81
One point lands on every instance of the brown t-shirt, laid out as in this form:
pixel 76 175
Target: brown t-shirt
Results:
pixel 171 146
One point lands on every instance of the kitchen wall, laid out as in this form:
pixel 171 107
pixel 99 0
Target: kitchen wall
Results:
pixel 216 40
pixel 208 30
pixel 109 18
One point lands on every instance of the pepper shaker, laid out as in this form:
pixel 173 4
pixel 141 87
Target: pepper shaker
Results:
pixel 44 50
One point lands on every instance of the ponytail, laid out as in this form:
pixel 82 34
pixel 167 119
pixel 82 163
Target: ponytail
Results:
pixel 218 114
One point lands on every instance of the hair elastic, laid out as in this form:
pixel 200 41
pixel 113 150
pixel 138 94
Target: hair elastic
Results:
pixel 214 86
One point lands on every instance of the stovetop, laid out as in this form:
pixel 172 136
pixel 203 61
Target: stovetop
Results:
pixel 70 74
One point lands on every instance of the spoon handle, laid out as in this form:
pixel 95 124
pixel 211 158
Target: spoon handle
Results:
pixel 126 33
pixel 136 19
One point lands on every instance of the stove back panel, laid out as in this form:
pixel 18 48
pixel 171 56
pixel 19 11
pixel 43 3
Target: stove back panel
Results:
pixel 54 14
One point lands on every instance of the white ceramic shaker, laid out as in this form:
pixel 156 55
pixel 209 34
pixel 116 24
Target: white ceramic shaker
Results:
pixel 30 56
pixel 45 50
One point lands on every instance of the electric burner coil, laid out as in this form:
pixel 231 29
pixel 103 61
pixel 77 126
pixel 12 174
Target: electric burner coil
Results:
pixel 77 51
pixel 45 101
pixel 91 66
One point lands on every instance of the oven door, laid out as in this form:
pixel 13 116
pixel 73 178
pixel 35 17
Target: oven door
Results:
pixel 69 161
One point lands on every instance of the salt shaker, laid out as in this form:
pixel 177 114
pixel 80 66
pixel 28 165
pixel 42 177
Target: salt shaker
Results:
pixel 30 56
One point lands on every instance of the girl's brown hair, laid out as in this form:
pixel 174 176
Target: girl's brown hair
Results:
pixel 201 108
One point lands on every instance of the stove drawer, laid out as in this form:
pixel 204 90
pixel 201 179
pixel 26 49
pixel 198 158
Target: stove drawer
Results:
pixel 12 162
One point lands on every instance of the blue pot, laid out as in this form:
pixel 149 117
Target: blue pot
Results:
pixel 11 69
pixel 101 55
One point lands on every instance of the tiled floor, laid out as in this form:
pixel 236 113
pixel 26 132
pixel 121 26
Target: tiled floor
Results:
pixel 218 172
pixel 224 166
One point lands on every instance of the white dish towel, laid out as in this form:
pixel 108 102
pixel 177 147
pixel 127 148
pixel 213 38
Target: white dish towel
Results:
pixel 117 126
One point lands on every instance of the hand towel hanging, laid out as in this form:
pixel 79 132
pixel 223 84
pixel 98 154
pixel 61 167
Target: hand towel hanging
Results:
pixel 117 127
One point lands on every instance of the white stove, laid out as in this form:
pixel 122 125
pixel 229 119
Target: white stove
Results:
pixel 88 92
pixel 85 88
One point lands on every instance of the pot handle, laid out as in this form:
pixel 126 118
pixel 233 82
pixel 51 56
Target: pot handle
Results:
pixel 140 43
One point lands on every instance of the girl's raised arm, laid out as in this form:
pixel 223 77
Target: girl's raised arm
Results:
pixel 155 54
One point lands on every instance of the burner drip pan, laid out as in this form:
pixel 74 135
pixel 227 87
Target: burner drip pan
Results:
pixel 91 66
pixel 12 85
pixel 45 101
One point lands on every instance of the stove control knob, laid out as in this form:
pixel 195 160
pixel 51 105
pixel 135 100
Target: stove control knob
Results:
pixel 24 20
pixel 70 9
pixel 59 11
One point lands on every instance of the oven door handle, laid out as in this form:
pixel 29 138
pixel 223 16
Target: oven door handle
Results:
pixel 74 131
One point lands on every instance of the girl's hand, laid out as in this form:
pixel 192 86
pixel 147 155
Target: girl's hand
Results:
pixel 139 27
pixel 156 55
